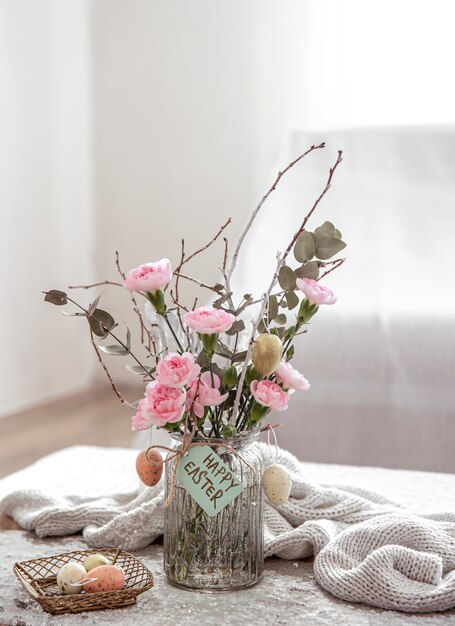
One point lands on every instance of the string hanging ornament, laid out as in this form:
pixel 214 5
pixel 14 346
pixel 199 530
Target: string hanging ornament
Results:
pixel 276 480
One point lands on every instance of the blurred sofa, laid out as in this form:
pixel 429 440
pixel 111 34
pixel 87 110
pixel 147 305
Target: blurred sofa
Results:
pixel 382 360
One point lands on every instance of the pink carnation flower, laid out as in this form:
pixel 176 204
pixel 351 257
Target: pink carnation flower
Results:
pixel 269 394
pixel 175 370
pixel 316 293
pixel 291 378
pixel 207 320
pixel 162 405
pixel 201 394
pixel 149 277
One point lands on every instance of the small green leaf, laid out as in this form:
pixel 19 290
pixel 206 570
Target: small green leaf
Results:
pixel 203 360
pixel 280 319
pixel 308 270
pixel 292 299
pixel 289 353
pixel 327 229
pixel 138 370
pixel 273 308
pixel 94 304
pixel 239 357
pixel 101 322
pixel 77 314
pixel 236 327
pixel 286 277
pixel 114 350
pixel 305 247
pixel 54 296
pixel 128 338
pixel 218 287
pixel 328 246
pixel 262 327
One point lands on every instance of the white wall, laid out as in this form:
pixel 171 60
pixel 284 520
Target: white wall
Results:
pixel 45 195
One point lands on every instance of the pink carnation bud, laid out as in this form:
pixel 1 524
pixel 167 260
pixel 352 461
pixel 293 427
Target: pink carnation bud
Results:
pixel 269 394
pixel 291 378
pixel 207 320
pixel 149 277
pixel 316 293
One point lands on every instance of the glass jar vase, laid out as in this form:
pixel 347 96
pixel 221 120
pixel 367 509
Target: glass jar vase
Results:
pixel 226 551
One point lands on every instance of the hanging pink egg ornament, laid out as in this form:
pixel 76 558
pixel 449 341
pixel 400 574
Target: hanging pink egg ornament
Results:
pixel 277 484
pixel 149 466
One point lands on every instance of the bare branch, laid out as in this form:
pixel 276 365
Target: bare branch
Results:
pixel 263 199
pixel 212 241
pixel 103 282
pixel 313 208
pixel 336 264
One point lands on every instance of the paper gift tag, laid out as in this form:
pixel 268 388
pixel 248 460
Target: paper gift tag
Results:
pixel 208 479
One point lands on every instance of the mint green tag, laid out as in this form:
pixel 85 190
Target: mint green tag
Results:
pixel 208 479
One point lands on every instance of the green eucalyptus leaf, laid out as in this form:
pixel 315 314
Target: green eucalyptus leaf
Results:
pixel 236 327
pixel 308 270
pixel 114 350
pixel 101 322
pixel 262 327
pixel 273 307
pixel 328 247
pixel 94 304
pixel 128 338
pixel 289 353
pixel 292 299
pixel 305 247
pixel 280 319
pixel 77 314
pixel 279 331
pixel 203 360
pixel 218 287
pixel 326 229
pixel 54 296
pixel 286 277
pixel 239 357
pixel 138 370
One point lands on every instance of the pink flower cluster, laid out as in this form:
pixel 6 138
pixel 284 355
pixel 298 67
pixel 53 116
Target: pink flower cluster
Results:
pixel 272 394
pixel 166 398
pixel 291 378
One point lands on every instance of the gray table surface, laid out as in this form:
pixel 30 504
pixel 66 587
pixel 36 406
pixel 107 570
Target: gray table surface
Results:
pixel 288 594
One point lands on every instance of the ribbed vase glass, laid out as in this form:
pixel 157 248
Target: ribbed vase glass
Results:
pixel 226 551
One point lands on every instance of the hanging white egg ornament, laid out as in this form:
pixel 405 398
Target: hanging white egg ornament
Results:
pixel 277 484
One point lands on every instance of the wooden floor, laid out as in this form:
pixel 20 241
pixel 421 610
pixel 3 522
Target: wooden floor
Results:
pixel 95 417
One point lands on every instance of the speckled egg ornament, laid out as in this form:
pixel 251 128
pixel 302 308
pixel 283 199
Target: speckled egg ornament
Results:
pixel 277 484
pixel 149 466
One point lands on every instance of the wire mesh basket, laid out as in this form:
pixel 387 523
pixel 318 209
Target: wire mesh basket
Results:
pixel 39 577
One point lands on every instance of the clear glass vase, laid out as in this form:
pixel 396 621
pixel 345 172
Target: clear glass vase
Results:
pixel 226 551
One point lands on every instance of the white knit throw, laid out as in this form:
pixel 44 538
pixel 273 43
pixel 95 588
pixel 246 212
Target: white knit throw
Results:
pixel 367 549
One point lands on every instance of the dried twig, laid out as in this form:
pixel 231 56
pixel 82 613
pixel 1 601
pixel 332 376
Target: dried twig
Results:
pixel 335 264
pixel 194 280
pixel 225 257
pixel 144 330
pixel 103 365
pixel 100 284
pixel 265 299
pixel 313 208
pixel 263 199
pixel 212 241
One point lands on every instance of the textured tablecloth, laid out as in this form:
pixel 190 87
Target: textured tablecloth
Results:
pixel 288 595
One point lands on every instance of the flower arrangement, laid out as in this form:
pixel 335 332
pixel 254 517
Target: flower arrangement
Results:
pixel 212 374
pixel 214 369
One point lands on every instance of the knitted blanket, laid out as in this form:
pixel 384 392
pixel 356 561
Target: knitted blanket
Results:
pixel 367 548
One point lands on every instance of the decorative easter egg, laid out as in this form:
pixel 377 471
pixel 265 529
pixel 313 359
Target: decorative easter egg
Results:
pixel 267 353
pixel 277 484
pixel 95 560
pixel 149 469
pixel 69 578
pixel 104 578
